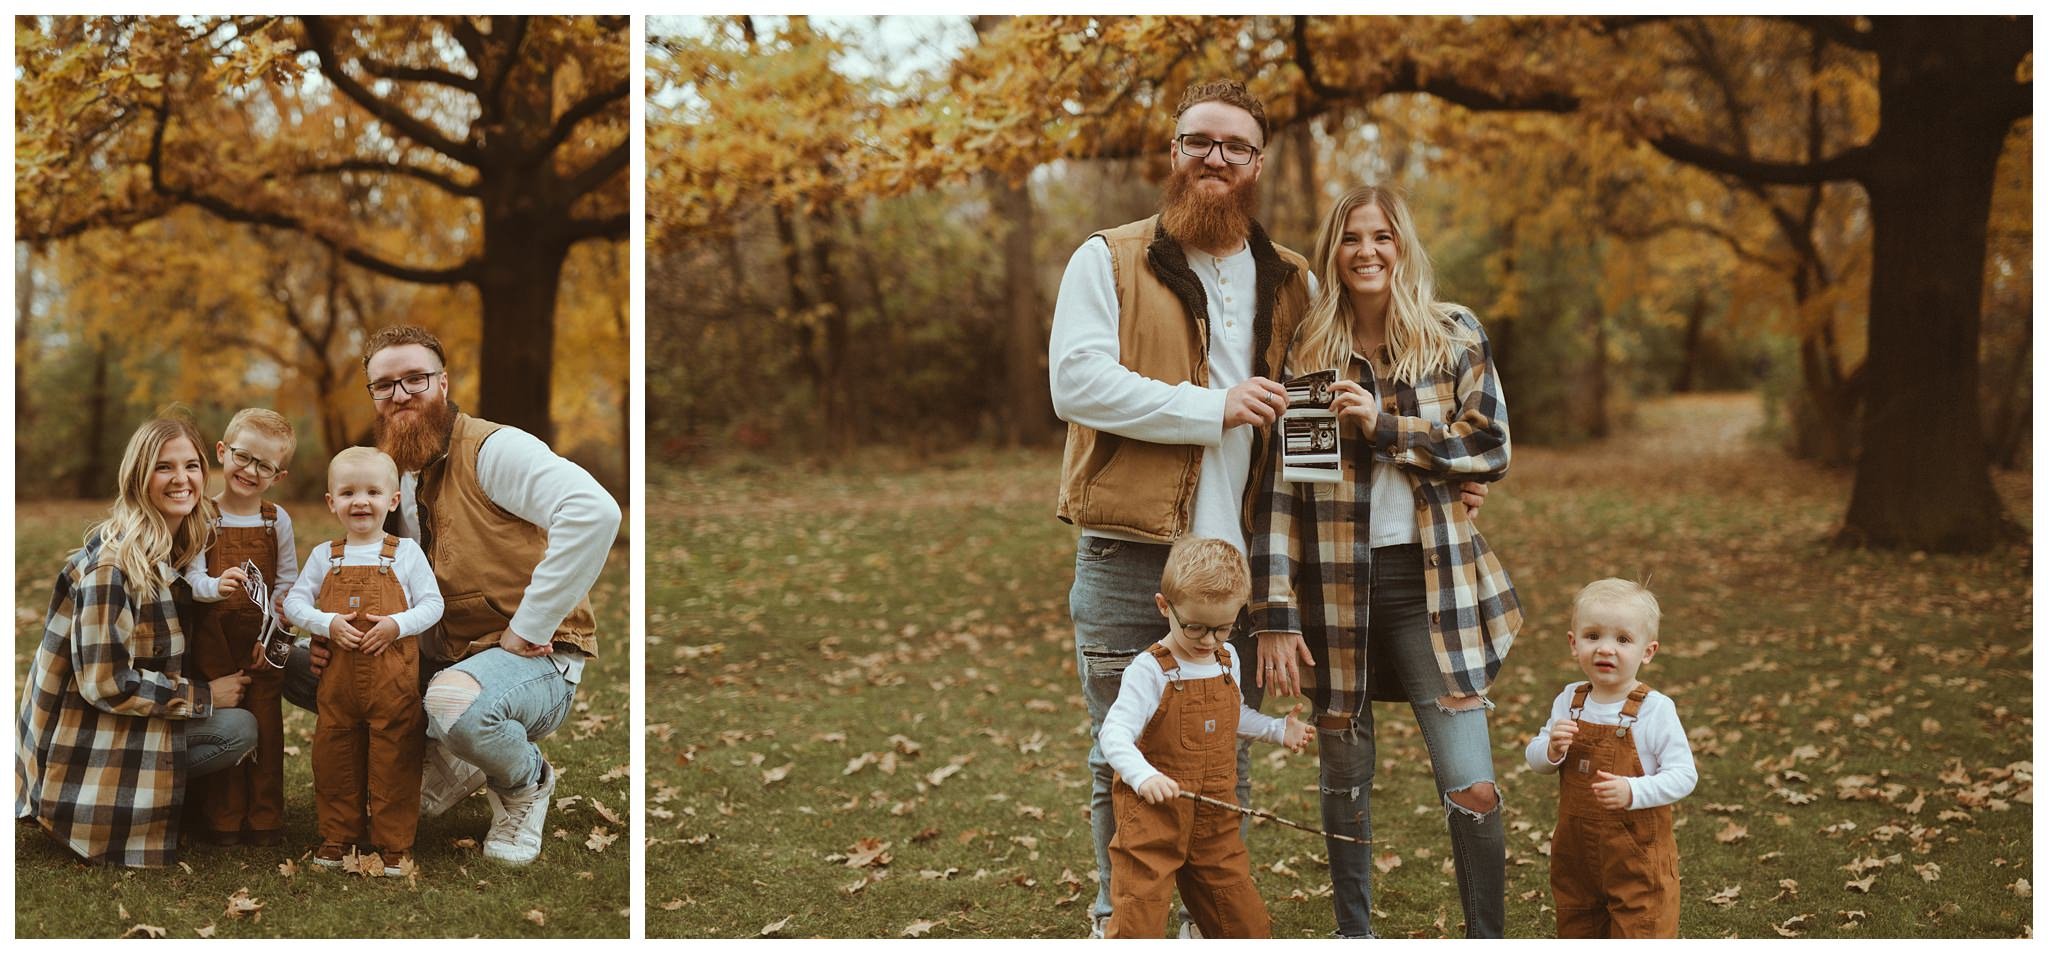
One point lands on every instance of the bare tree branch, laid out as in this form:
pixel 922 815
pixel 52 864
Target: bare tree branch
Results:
pixel 440 180
pixel 1850 164
pixel 320 36
pixel 610 227
pixel 1405 76
pixel 510 52
pixel 566 123
pixel 421 74
pixel 613 162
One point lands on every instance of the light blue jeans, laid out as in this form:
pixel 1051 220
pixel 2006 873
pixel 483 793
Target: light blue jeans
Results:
pixel 521 700
pixel 1460 756
pixel 218 741
pixel 1114 620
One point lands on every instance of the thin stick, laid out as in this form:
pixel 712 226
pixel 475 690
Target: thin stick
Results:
pixel 1269 816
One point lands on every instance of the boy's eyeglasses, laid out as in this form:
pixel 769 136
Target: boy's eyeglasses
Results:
pixel 242 458
pixel 1199 631
pixel 1198 147
pixel 412 383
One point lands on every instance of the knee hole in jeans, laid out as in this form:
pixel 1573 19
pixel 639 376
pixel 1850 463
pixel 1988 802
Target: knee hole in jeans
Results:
pixel 1470 703
pixel 449 696
pixel 1478 799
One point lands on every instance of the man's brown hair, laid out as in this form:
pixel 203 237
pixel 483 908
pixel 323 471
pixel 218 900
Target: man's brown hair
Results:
pixel 402 335
pixel 1228 92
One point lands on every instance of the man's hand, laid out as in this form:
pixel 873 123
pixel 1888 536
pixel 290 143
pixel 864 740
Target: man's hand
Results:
pixel 1613 792
pixel 1157 789
pixel 1280 656
pixel 1297 733
pixel 1255 400
pixel 381 634
pixel 343 634
pixel 227 690
pixel 1561 736
pixel 1474 494
pixel 317 654
pixel 518 646
pixel 233 581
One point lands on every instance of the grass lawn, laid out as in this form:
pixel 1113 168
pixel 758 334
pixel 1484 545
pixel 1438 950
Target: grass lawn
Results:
pixel 572 891
pixel 864 719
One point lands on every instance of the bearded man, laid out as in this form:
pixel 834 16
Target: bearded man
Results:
pixel 1165 338
pixel 516 535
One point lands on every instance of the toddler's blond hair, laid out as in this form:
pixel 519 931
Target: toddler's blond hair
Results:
pixel 1616 591
pixel 351 456
pixel 1206 570
pixel 267 422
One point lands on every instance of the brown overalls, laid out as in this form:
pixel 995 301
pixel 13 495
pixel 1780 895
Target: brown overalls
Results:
pixel 248 797
pixel 371 733
pixel 1612 873
pixel 1191 738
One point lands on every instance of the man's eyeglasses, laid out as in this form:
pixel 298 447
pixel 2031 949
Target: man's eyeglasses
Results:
pixel 246 460
pixel 1198 147
pixel 412 383
pixel 1197 631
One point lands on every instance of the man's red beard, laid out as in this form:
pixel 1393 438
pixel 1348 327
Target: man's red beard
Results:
pixel 414 438
pixel 1196 217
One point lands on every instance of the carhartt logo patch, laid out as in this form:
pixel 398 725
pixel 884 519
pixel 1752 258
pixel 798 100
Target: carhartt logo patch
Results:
pixel 1209 726
pixel 1585 766
pixel 355 602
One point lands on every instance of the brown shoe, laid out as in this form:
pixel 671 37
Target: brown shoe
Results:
pixel 330 854
pixel 395 860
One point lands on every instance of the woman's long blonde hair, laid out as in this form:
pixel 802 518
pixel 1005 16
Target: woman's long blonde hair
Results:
pixel 136 536
pixel 1421 332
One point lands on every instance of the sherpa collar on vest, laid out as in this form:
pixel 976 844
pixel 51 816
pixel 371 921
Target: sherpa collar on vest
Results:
pixel 1170 262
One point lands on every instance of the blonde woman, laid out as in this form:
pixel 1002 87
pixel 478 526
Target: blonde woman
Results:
pixel 110 728
pixel 1379 586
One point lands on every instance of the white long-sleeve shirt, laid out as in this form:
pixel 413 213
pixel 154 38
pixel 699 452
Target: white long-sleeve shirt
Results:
pixel 526 478
pixel 409 565
pixel 206 585
pixel 1668 770
pixel 1144 683
pixel 1092 388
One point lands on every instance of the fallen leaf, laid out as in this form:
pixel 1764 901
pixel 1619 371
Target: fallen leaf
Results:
pixel 1387 862
pixel 1727 896
pixel 2021 888
pixel 865 852
pixel 600 839
pixel 1793 926
pixel 241 905
pixel 1861 885
pixel 1929 871
pixel 774 775
pixel 858 762
pixel 918 928
pixel 206 931
pixel 672 904
pixel 143 930
pixel 538 917
pixel 287 867
pixel 776 927
pixel 605 811
pixel 1731 833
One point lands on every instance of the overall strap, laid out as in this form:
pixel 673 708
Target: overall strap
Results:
pixel 270 520
pixel 1579 698
pixel 334 550
pixel 389 554
pixel 1223 657
pixel 1635 701
pixel 1167 664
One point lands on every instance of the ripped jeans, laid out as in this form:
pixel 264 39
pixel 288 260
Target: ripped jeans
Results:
pixel 1460 754
pixel 1114 620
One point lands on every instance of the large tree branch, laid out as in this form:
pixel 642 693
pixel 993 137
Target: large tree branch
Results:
pixel 230 212
pixel 422 74
pixel 321 38
pixel 508 57
pixel 1405 76
pixel 1850 164
pixel 609 227
pixel 440 180
pixel 613 162
pixel 565 124
pixel 1839 30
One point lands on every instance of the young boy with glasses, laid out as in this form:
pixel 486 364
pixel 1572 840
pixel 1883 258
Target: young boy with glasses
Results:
pixel 1174 729
pixel 245 803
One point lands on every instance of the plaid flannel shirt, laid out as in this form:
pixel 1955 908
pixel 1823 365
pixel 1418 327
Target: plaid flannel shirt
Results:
pixel 1310 546
pixel 99 753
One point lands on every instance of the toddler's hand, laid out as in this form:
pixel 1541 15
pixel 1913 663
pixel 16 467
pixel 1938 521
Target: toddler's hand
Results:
pixel 343 634
pixel 1561 736
pixel 1297 733
pixel 232 581
pixel 381 634
pixel 1613 792
pixel 1157 789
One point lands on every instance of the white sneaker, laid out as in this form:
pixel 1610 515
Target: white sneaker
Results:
pixel 1098 926
pixel 518 818
pixel 445 780
pixel 1189 931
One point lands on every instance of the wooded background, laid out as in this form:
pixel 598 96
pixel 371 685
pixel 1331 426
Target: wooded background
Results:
pixel 218 211
pixel 857 226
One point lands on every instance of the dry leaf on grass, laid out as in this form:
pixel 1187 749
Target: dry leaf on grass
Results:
pixel 206 931
pixel 538 917
pixel 868 851
pixel 1793 926
pixel 606 813
pixel 1726 897
pixel 918 928
pixel 241 905
pixel 1929 871
pixel 774 775
pixel 600 839
pixel 776 927
pixel 1731 833
pixel 2021 888
pixel 1861 885
pixel 143 930
pixel 1387 862
pixel 1788 890
pixel 287 868
pixel 672 904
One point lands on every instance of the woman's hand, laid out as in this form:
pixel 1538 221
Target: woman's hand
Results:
pixel 1350 401
pixel 1280 656
pixel 227 690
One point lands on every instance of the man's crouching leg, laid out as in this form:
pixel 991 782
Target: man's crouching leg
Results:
pixel 487 710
